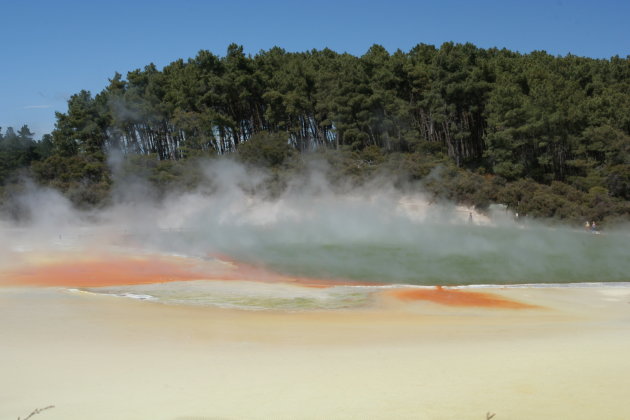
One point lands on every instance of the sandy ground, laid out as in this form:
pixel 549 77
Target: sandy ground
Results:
pixel 103 357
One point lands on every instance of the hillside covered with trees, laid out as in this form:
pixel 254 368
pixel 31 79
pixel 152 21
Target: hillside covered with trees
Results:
pixel 548 136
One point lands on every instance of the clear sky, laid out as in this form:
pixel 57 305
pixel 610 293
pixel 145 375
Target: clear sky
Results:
pixel 53 49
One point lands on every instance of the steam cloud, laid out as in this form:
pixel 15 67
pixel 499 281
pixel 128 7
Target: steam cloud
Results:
pixel 373 233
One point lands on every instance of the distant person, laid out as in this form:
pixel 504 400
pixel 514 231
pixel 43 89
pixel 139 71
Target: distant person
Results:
pixel 470 218
pixel 593 227
pixel 587 225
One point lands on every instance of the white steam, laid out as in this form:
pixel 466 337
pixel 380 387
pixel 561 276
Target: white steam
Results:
pixel 373 233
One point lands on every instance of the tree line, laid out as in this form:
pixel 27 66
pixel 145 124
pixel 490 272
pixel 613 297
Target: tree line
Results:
pixel 491 114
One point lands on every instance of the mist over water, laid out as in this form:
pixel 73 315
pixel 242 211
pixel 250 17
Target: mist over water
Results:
pixel 385 247
pixel 371 234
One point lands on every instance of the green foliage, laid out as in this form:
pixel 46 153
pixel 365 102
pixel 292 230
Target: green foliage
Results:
pixel 266 150
pixel 474 125
pixel 164 175
pixel 83 178
pixel 19 150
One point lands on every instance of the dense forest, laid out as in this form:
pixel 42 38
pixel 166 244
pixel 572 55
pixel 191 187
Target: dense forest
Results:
pixel 548 136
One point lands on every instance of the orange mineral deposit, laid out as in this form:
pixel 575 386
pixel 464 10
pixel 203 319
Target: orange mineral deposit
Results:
pixel 95 272
pixel 117 270
pixel 458 297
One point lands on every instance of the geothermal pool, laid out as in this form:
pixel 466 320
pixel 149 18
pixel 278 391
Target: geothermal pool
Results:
pixel 311 305
pixel 447 264
pixel 449 321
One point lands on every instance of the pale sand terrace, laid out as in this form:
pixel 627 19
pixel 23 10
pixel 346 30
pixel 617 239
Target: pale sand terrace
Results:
pixel 103 357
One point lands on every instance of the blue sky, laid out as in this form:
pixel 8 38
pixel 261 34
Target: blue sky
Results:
pixel 53 49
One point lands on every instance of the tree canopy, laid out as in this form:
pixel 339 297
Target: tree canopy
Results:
pixel 498 120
